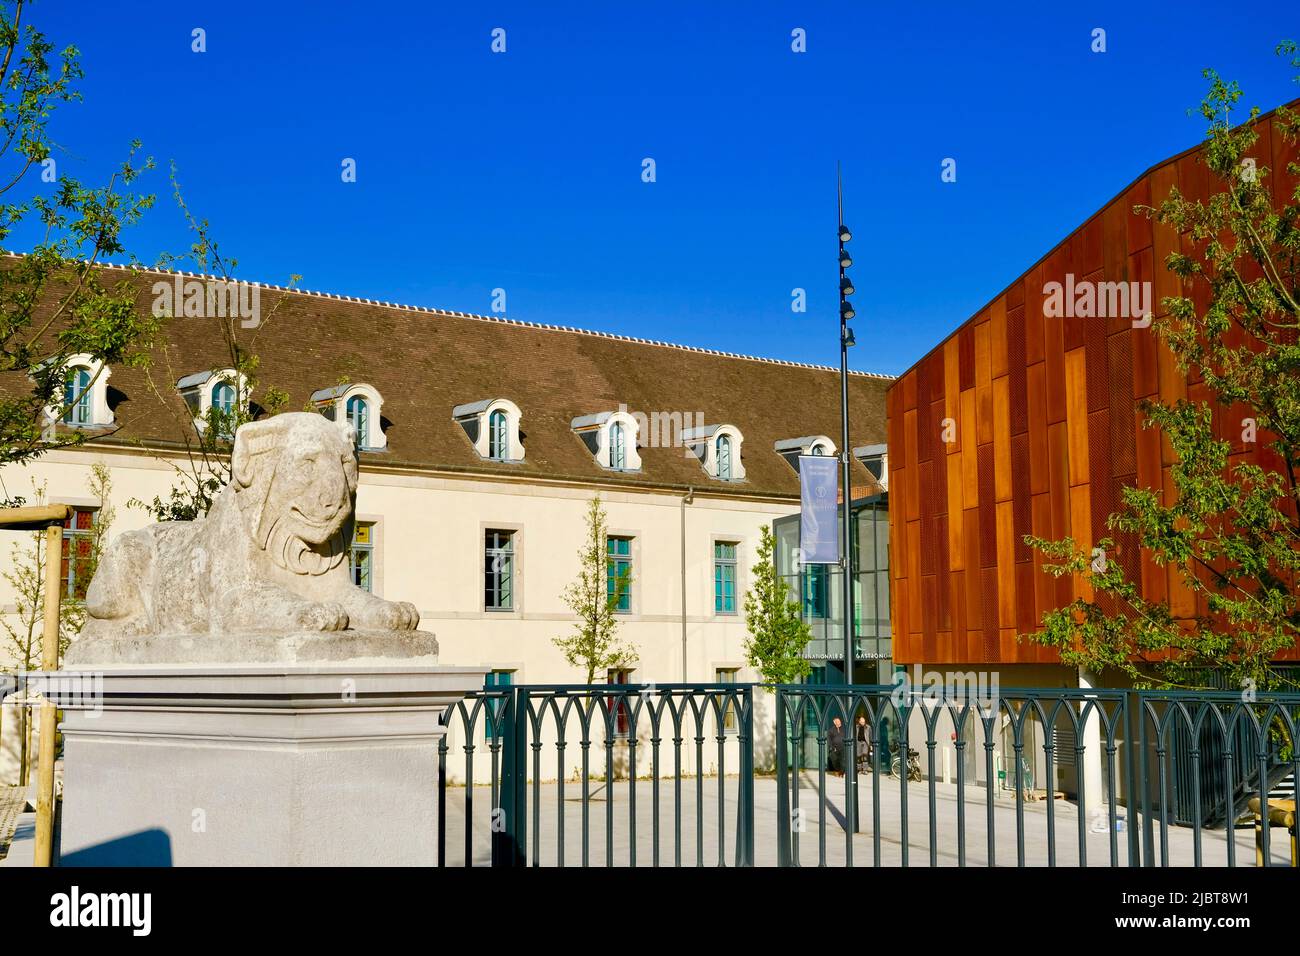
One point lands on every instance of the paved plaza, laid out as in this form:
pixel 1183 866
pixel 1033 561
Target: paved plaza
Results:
pixel 823 826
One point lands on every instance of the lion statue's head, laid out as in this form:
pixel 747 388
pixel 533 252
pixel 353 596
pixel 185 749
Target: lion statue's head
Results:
pixel 295 481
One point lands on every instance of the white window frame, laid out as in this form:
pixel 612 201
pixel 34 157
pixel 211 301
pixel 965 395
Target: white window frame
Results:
pixel 333 403
pixel 197 390
pixel 476 418
pixel 101 415
pixel 703 442
pixel 601 426
pixel 881 451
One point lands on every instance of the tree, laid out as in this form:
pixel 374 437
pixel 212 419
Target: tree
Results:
pixel 1231 530
pixel 778 635
pixel 54 303
pixel 205 470
pixel 594 597
pixel 24 629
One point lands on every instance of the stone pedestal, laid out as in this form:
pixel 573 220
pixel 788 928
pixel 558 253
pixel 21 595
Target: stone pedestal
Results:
pixel 254 765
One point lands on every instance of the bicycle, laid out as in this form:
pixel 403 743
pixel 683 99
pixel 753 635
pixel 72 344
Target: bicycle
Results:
pixel 913 765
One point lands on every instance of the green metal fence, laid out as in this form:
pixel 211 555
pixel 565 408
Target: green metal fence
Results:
pixel 741 774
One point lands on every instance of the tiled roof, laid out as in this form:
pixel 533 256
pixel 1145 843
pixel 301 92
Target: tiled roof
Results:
pixel 425 362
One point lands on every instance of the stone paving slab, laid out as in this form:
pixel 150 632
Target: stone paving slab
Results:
pixel 13 801
pixel 823 826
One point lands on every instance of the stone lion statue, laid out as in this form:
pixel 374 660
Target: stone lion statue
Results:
pixel 271 555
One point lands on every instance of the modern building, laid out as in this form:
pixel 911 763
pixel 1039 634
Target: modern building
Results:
pixel 482 441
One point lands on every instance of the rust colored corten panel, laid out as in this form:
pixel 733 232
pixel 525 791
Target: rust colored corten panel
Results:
pixel 908 385
pixel 1138 224
pixel 1058 479
pixel 988 520
pixel 1020 492
pixel 1033 289
pixel 983 385
pixel 1076 418
pixel 1054 346
pixel 1164 239
pixel 955 508
pixel 1026 619
pixel 1141 269
pixel 1173 386
pixel 940 463
pixel 1284 154
pixel 1044 586
pixel 1115 240
pixel 1123 446
pixel 974 601
pixel 904 649
pixel 1002 438
pixel 966 356
pixel 929 609
pixel 1076 325
pixel 1097 365
pixel 1100 474
pixel 1036 377
pixel 998 336
pixel 912 476
pixel 913 557
pixel 1008 646
pixel 1090 259
pixel 1006 531
pixel 929 520
pixel 969 458
pixel 990 649
pixel 943 581
pixel 1081 531
pixel 952 387
pixel 1017 371
pixel 957 586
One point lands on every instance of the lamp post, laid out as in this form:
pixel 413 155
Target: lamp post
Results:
pixel 846 339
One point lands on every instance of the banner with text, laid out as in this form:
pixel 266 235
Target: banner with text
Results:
pixel 819 538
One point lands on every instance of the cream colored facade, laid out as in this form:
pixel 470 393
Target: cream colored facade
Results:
pixel 428 549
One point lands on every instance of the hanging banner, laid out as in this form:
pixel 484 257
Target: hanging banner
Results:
pixel 819 537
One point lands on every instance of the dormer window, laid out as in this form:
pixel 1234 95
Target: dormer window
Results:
pixel 611 437
pixel 498 436
pixel 723 456
pixel 875 458
pixel 492 427
pixel 218 390
pixel 358 404
pixel 223 397
pixel 76 396
pixel 617 447
pixel 359 418
pixel 82 402
pixel 792 448
pixel 718 448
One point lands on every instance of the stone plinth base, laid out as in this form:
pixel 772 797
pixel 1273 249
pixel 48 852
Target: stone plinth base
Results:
pixel 288 765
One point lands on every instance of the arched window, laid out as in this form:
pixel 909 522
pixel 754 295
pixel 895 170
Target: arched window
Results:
pixel 76 396
pixel 359 417
pixel 498 436
pixel 818 449
pixel 617 447
pixel 724 457
pixel 223 398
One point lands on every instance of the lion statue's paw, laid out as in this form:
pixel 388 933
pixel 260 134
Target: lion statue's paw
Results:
pixel 328 616
pixel 388 616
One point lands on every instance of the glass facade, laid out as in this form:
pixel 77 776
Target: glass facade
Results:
pixel 819 590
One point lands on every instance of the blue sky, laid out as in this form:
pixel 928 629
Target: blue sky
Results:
pixel 522 170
